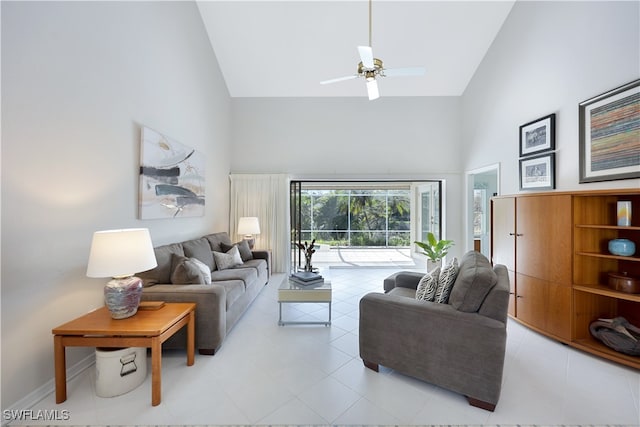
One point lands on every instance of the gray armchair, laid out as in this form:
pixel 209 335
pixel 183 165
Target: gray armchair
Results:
pixel 459 346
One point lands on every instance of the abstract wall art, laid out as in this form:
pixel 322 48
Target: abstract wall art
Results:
pixel 172 178
pixel 610 135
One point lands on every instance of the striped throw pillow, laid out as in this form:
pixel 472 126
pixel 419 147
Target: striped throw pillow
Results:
pixel 445 282
pixel 426 289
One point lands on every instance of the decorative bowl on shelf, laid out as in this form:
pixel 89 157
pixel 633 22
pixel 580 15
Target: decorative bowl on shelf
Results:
pixel 622 247
pixel 623 283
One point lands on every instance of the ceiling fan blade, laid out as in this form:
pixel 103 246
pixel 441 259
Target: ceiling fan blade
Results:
pixel 372 90
pixel 410 71
pixel 366 56
pixel 339 79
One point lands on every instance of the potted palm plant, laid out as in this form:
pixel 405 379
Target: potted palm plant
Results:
pixel 434 249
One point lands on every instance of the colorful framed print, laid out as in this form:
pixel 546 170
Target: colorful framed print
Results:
pixel 538 136
pixel 538 173
pixel 609 135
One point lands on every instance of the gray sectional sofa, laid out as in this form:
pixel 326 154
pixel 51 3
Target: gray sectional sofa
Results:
pixel 219 305
pixel 458 345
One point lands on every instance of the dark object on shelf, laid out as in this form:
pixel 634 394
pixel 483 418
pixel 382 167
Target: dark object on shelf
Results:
pixel 624 283
pixel 617 334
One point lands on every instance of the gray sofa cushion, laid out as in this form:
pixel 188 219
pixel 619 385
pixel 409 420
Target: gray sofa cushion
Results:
pixel 234 290
pixel 258 264
pixel 162 273
pixel 403 292
pixel 186 272
pixel 475 279
pixel 494 301
pixel 200 249
pixel 215 239
pixel 247 275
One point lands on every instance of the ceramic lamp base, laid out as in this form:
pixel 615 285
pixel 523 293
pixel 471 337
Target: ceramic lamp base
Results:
pixel 122 296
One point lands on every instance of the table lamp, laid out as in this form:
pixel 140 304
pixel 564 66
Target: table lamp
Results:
pixel 248 226
pixel 120 254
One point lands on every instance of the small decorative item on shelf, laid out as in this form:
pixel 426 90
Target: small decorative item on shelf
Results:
pixel 623 283
pixel 622 247
pixel 624 213
pixel 617 334
pixel 309 250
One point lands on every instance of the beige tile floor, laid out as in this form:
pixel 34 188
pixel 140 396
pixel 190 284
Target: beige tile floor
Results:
pixel 269 374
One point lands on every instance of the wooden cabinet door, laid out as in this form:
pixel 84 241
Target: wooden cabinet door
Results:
pixel 503 229
pixel 503 241
pixel 544 237
pixel 545 306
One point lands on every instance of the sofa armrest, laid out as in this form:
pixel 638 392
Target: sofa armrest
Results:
pixel 211 319
pixel 408 279
pixel 265 255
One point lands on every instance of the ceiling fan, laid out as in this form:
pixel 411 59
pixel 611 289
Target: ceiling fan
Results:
pixel 371 68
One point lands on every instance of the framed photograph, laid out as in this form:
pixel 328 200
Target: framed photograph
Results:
pixel 538 173
pixel 538 136
pixel 609 135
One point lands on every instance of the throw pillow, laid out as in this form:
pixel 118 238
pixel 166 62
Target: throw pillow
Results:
pixel 427 286
pixel 474 282
pixel 185 272
pixel 200 249
pixel 243 247
pixel 229 259
pixel 204 269
pixel 445 281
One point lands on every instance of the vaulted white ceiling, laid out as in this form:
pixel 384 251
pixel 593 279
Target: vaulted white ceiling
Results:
pixel 285 48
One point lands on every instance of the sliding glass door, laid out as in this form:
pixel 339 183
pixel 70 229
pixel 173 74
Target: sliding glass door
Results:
pixel 363 214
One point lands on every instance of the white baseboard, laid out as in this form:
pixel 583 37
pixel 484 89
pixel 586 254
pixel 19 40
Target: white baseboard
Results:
pixel 49 387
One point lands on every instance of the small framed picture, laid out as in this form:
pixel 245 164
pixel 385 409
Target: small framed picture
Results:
pixel 538 173
pixel 538 136
pixel 609 136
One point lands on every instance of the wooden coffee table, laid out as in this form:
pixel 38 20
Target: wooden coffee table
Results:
pixel 147 328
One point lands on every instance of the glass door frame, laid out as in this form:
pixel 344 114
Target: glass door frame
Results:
pixel 436 190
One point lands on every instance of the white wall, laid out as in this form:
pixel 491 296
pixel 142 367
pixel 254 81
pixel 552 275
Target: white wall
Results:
pixel 547 58
pixel 353 138
pixel 78 81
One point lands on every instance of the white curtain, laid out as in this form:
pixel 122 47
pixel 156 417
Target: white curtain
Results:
pixel 265 196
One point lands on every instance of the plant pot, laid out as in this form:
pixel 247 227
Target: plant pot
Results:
pixel 433 264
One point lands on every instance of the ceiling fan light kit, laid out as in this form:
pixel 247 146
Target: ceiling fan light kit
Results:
pixel 370 68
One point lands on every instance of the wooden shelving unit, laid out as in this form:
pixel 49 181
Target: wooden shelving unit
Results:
pixel 607 292
pixel 594 218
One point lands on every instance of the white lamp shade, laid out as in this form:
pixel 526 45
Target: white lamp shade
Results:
pixel 248 225
pixel 116 253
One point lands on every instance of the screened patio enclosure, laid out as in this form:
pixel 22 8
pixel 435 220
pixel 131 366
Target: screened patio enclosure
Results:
pixel 362 223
